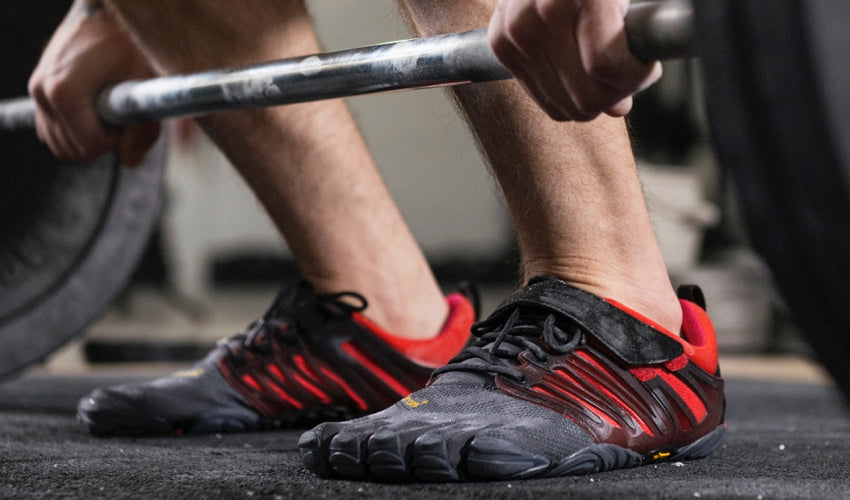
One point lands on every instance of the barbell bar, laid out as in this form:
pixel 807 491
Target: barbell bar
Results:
pixel 655 30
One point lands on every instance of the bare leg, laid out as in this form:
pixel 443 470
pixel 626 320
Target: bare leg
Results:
pixel 307 163
pixel 572 188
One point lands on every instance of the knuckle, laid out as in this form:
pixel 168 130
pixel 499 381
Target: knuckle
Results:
pixel 523 34
pixel 501 45
pixel 551 10
pixel 34 86
pixel 59 97
pixel 523 26
pixel 53 90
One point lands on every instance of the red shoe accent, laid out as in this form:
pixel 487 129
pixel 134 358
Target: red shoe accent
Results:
pixel 306 360
pixel 349 364
pixel 369 363
pixel 669 407
pixel 302 365
pixel 623 405
pixel 697 338
pixel 439 350
pixel 285 396
pixel 621 392
pixel 361 405
pixel 701 345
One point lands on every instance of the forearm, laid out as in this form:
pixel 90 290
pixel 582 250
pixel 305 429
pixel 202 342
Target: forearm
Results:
pixel 432 17
pixel 193 35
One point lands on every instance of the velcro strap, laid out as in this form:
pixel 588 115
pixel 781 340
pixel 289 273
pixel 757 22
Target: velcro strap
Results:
pixel 634 341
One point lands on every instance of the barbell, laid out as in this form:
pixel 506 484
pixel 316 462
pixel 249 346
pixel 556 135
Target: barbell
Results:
pixel 656 30
pixel 777 93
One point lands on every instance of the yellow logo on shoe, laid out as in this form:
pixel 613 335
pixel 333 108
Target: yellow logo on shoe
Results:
pixel 191 373
pixel 412 403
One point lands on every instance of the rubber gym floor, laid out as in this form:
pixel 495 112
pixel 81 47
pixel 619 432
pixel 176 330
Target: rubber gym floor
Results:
pixel 784 440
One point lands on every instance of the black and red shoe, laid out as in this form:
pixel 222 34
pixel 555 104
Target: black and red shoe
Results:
pixel 560 382
pixel 312 357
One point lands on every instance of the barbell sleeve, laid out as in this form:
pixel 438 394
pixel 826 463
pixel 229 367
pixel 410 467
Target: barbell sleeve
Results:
pixel 17 114
pixel 661 30
pixel 655 30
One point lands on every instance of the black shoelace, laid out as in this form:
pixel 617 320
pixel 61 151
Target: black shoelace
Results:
pixel 287 318
pixel 498 347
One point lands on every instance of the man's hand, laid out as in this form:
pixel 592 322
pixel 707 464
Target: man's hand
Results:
pixel 88 51
pixel 571 56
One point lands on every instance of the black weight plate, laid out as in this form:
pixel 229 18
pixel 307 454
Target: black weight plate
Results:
pixel 777 93
pixel 70 235
pixel 50 212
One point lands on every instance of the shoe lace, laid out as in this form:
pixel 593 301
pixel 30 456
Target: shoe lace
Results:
pixel 285 321
pixel 497 350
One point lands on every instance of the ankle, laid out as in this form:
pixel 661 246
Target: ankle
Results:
pixel 659 311
pixel 415 313
pixel 658 305
pixel 408 317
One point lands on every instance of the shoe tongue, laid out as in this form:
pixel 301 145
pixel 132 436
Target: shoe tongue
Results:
pixel 296 302
pixel 293 294
pixel 476 378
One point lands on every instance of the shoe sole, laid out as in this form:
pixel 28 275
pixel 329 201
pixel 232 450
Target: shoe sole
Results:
pixel 383 457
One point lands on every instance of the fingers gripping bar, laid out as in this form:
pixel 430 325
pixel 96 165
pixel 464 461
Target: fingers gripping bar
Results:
pixel 655 30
